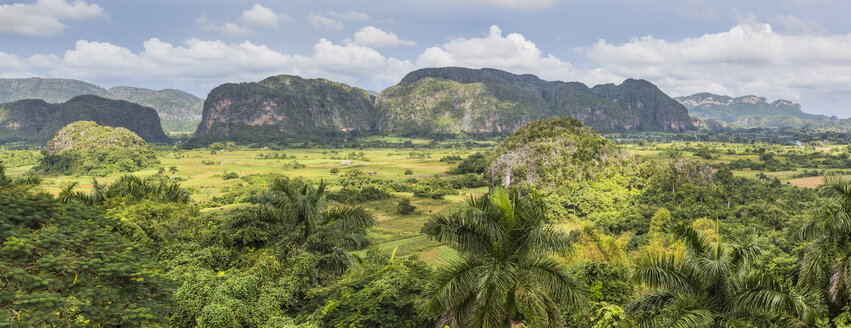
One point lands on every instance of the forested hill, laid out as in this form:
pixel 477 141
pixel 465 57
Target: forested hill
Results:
pixel 429 102
pixel 36 121
pixel 170 104
pixel 750 111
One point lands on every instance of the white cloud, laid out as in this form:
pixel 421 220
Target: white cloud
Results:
pixel 750 58
pixel 257 16
pixel 512 52
pixel 226 28
pixel 44 18
pixel 375 37
pixel 262 16
pixel 205 64
pixel 324 22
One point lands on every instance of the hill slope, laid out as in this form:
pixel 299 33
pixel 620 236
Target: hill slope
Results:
pixel 171 104
pixel 287 105
pixel 452 100
pixel 750 111
pixel 36 121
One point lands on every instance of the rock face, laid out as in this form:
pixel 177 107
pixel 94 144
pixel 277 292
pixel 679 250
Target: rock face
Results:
pixel 453 100
pixel 285 105
pixel 434 101
pixel 37 121
pixel 170 104
pixel 750 111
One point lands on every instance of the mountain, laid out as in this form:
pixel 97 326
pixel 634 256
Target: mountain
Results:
pixel 750 111
pixel 171 104
pixel 36 121
pixel 435 101
pixel 287 105
pixel 454 100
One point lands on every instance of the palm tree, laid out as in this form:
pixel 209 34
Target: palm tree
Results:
pixel 301 201
pixel 827 260
pixel 506 275
pixel 714 285
pixel 160 171
pixel 172 170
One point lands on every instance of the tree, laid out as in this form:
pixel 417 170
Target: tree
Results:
pixel 173 169
pixel 506 275
pixel 160 171
pixel 714 285
pixel 63 265
pixel 827 259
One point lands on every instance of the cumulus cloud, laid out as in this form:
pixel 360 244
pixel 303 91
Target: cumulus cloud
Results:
pixel 512 52
pixel 44 18
pixel 375 37
pixel 257 16
pixel 205 64
pixel 750 58
pixel 262 16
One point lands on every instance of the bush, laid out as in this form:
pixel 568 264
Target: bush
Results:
pixel 404 207
pixel 230 175
pixel 475 163
pixel 409 172
pixel 334 171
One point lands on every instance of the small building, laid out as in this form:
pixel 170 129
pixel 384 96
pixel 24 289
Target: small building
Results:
pixel 370 172
pixel 345 163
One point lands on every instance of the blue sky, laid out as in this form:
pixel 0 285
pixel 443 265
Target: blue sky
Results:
pixel 793 49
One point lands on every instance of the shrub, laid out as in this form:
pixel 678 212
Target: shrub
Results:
pixel 404 207
pixel 409 172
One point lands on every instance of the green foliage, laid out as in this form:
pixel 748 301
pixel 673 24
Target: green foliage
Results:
pixel 63 265
pixel 715 284
pixel 506 273
pixel 409 172
pixel 475 163
pixel 550 153
pixel 379 293
pixel 16 158
pixel 87 148
pixel 404 207
pixel 127 189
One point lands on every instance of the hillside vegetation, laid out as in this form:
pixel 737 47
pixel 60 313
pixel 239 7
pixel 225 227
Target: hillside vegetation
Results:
pixel 84 147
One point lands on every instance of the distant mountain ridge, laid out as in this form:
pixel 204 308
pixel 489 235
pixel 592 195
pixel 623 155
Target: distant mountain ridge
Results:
pixel 515 100
pixel 434 101
pixel 750 111
pixel 170 104
pixel 36 121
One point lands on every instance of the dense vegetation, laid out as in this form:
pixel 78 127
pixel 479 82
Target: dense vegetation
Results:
pixel 87 148
pixel 420 233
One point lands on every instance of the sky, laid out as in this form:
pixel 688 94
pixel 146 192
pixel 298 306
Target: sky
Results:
pixel 799 50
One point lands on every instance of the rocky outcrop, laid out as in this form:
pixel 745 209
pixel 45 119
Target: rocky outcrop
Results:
pixel 285 105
